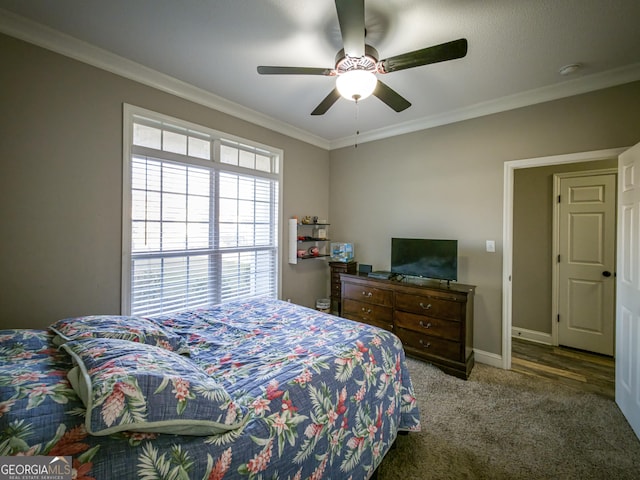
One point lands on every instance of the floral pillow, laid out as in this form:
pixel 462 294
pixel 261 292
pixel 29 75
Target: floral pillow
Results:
pixel 134 387
pixel 135 329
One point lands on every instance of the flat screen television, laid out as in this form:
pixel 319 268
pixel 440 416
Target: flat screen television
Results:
pixel 421 257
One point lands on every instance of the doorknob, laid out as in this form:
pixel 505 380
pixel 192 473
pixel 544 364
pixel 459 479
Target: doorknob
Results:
pixel 606 273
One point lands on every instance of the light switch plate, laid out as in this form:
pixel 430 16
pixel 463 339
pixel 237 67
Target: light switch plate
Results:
pixel 491 246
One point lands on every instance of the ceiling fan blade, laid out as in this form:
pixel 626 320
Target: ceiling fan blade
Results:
pixel 425 56
pixel 267 70
pixel 391 97
pixel 351 19
pixel 326 104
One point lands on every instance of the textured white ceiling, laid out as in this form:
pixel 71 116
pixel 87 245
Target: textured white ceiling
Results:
pixel 516 48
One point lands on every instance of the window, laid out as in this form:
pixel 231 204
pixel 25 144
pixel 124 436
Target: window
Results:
pixel 201 216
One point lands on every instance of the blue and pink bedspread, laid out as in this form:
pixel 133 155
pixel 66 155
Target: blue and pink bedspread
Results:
pixel 277 391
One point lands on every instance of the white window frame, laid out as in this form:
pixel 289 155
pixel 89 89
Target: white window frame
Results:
pixel 131 111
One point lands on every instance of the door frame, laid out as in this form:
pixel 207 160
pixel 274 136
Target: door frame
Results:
pixel 555 266
pixel 507 227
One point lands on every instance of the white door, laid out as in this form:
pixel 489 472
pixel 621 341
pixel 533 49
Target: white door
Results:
pixel 628 288
pixel 586 247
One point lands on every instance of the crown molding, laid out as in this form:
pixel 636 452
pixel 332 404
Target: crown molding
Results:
pixel 56 41
pixel 586 84
pixel 50 39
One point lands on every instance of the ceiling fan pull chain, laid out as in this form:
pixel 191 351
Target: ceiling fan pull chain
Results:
pixel 357 130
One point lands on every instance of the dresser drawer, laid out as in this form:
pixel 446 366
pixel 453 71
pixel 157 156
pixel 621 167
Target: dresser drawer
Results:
pixel 428 345
pixel 365 293
pixel 431 306
pixel 376 315
pixel 429 326
pixel 370 321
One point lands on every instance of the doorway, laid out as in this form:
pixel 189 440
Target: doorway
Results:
pixel 576 369
pixel 508 233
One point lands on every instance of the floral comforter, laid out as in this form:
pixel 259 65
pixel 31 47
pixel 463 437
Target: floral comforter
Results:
pixel 321 396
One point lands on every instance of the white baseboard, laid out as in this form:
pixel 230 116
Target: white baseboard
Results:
pixel 531 335
pixel 495 360
pixel 488 358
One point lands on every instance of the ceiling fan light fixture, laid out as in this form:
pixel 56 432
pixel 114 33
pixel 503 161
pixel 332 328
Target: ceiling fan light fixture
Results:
pixel 356 85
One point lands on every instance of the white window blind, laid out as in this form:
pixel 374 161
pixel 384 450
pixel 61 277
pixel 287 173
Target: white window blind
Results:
pixel 201 231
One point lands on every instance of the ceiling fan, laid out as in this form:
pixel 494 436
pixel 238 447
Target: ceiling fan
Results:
pixel 357 63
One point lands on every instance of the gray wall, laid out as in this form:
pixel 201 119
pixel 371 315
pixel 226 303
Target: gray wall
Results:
pixel 533 204
pixel 60 188
pixel 61 185
pixel 447 182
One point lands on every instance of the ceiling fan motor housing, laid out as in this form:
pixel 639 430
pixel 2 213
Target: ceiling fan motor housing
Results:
pixel 368 62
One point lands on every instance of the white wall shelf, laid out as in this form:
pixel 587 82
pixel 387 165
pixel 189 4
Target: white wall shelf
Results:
pixel 298 230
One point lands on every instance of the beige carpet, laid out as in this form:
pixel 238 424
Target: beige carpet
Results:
pixel 506 425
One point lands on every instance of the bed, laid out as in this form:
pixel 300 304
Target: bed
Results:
pixel 260 390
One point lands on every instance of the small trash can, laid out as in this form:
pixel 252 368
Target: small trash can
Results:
pixel 323 305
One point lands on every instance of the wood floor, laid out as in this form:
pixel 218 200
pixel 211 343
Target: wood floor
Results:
pixel 581 370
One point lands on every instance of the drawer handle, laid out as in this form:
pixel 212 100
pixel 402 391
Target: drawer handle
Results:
pixel 428 325
pixel 366 294
pixel 366 310
pixel 425 345
pixel 391 326
pixel 427 307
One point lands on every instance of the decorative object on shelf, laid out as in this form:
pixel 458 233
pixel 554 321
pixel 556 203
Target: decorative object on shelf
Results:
pixel 342 252
pixel 320 233
pixel 307 240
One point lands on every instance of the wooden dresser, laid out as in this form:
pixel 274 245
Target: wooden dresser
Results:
pixel 433 320
pixel 338 268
